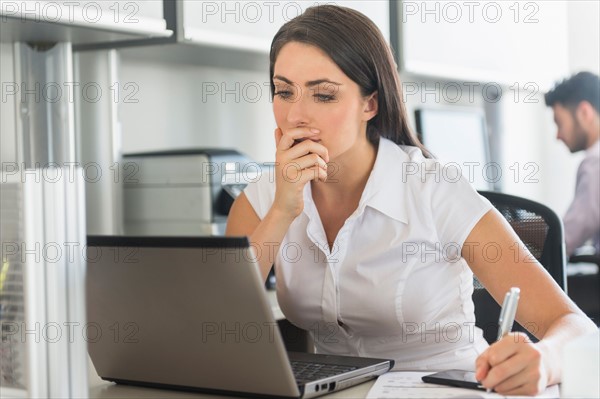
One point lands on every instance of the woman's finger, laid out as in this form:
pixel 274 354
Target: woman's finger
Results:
pixel 515 381
pixel 289 137
pixel 506 347
pixel 505 372
pixel 310 160
pixel 307 147
pixel 482 366
pixel 313 173
pixel 278 134
pixel 530 388
pixel 293 170
pixel 532 382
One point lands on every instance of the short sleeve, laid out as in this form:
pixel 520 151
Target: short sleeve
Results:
pixel 456 207
pixel 261 194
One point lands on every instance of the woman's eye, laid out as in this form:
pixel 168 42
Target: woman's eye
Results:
pixel 324 97
pixel 284 94
pixel 288 95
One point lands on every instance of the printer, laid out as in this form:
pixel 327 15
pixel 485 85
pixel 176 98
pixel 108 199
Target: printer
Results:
pixel 183 192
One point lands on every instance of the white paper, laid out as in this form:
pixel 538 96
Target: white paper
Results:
pixel 405 384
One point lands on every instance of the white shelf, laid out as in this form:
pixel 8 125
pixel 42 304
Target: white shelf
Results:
pixel 232 41
pixel 72 25
pixel 198 53
pixel 251 26
pixel 516 44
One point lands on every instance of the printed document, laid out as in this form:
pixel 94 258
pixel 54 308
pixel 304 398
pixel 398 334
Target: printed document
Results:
pixel 405 384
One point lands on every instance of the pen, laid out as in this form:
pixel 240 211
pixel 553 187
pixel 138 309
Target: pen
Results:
pixel 507 314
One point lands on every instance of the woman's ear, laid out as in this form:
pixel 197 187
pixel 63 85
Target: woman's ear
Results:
pixel 371 106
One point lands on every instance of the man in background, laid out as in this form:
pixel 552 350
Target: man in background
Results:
pixel 576 105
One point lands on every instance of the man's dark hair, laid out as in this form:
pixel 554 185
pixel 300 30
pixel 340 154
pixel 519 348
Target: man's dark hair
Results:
pixel 583 86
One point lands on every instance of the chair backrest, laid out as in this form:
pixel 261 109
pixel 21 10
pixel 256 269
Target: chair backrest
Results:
pixel 541 231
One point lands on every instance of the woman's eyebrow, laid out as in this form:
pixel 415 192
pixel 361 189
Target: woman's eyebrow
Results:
pixel 309 83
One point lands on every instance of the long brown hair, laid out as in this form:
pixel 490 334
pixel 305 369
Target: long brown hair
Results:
pixel 358 48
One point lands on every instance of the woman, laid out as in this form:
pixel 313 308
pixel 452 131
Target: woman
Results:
pixel 374 249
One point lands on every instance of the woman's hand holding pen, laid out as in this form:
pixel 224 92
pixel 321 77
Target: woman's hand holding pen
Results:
pixel 513 366
pixel 299 159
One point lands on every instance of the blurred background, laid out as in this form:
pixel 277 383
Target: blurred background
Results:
pixel 150 116
pixel 149 76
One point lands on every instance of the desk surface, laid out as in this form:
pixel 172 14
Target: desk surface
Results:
pixel 103 390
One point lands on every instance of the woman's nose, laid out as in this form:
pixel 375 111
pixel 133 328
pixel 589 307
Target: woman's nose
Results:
pixel 297 112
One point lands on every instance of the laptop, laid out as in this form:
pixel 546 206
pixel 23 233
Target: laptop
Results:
pixel 192 313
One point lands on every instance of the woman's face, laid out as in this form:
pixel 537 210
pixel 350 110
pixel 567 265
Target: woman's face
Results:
pixel 311 91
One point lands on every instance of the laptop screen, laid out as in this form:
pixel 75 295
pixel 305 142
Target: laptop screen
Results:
pixel 183 311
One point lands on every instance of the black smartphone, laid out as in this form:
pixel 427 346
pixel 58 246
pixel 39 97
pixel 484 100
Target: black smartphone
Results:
pixel 455 378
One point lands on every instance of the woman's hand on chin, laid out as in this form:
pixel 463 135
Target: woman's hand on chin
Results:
pixel 299 159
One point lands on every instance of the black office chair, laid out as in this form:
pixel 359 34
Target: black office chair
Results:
pixel 584 288
pixel 541 231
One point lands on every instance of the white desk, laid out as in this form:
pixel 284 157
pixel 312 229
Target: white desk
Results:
pixel 104 390
pixel 100 389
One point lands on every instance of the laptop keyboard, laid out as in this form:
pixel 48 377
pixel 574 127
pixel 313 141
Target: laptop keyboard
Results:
pixel 309 371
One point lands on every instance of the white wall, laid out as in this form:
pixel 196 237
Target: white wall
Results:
pixel 187 105
pixel 535 164
pixel 559 165
pixel 502 41
pixel 584 35
pixel 529 132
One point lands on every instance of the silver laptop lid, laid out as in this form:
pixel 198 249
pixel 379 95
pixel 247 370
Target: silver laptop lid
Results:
pixel 183 311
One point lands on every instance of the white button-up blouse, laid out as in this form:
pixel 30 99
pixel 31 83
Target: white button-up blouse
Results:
pixel 394 285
